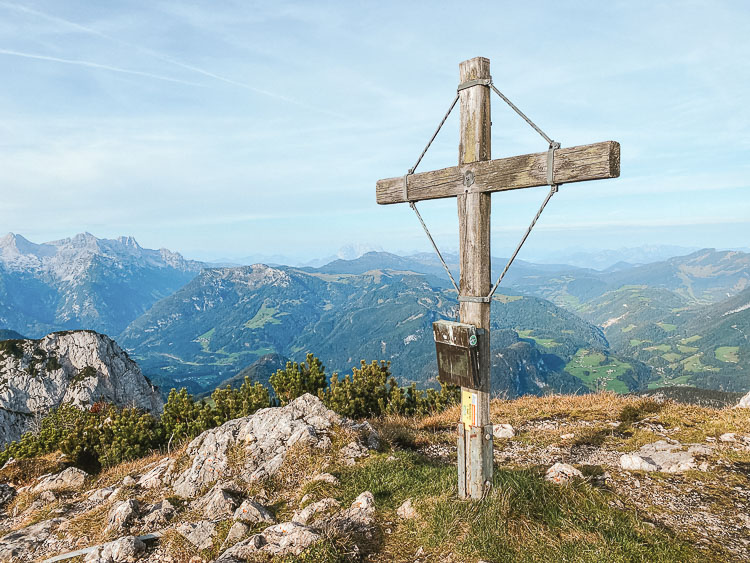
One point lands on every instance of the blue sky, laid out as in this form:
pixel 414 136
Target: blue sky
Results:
pixel 225 129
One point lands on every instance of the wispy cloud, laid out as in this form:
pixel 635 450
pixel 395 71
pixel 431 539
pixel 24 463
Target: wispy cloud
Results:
pixel 99 66
pixel 164 58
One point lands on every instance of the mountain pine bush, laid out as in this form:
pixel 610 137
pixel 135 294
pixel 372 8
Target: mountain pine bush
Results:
pixel 105 435
pixel 362 393
pixel 297 379
pixel 235 403
pixel 371 390
pixel 184 417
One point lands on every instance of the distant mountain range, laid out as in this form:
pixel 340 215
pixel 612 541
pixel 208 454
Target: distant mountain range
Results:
pixel 84 282
pixel 678 321
pixel 229 318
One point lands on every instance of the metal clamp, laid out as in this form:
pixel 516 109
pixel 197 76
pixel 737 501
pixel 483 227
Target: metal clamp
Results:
pixel 473 299
pixel 405 190
pixel 475 82
pixel 553 146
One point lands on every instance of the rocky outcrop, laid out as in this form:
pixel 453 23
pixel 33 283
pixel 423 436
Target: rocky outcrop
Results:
pixel 79 367
pixel 17 545
pixel 288 538
pixel 124 550
pixel 662 456
pixel 562 474
pixel 70 478
pixel 744 402
pixel 254 447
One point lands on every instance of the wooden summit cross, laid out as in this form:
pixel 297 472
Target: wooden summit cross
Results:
pixel 472 182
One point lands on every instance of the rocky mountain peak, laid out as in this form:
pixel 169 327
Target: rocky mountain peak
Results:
pixel 77 367
pixel 128 241
pixel 257 275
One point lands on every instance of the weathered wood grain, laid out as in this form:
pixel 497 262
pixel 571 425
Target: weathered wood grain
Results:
pixel 474 242
pixel 597 161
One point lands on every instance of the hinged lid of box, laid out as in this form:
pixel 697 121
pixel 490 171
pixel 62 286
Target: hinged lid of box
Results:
pixel 457 347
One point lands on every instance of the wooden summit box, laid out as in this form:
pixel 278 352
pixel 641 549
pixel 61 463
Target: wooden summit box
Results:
pixel 457 347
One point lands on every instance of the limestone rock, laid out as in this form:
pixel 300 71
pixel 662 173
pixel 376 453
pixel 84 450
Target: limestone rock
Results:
pixel 70 478
pixel 406 510
pixel 77 367
pixel 124 550
pixel 238 531
pixel 371 437
pixel 667 456
pixel 128 481
pixel 359 517
pixel 634 462
pixel 562 474
pixel 7 494
pixel 325 478
pixel 152 479
pixel 200 533
pixel 262 439
pixel 217 504
pixel 352 452
pixel 728 437
pixel 252 512
pixel 288 538
pixel 102 494
pixel 122 515
pixel 659 456
pixel 18 545
pixel 503 431
pixel 159 514
pixel 308 514
pixel 744 402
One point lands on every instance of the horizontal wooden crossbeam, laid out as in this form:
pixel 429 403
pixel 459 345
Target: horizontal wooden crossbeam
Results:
pixel 573 164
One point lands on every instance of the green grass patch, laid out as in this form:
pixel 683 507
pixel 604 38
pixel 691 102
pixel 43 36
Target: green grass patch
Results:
pixel 660 348
pixel 205 340
pixel 728 354
pixel 667 327
pixel 691 339
pixel 687 349
pixel 629 328
pixel 523 518
pixel 546 342
pixel 671 357
pixel 265 315
pixel 636 342
pixel 597 371
pixel 694 364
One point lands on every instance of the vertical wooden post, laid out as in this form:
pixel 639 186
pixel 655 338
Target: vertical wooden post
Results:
pixel 475 461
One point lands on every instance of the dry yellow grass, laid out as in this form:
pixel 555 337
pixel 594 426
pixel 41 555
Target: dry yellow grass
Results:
pixel 92 524
pixel 25 471
pixel 695 423
pixel 114 475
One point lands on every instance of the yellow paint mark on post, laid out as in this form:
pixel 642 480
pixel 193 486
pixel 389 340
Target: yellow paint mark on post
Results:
pixel 468 407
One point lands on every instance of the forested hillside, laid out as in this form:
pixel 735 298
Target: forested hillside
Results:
pixel 228 318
